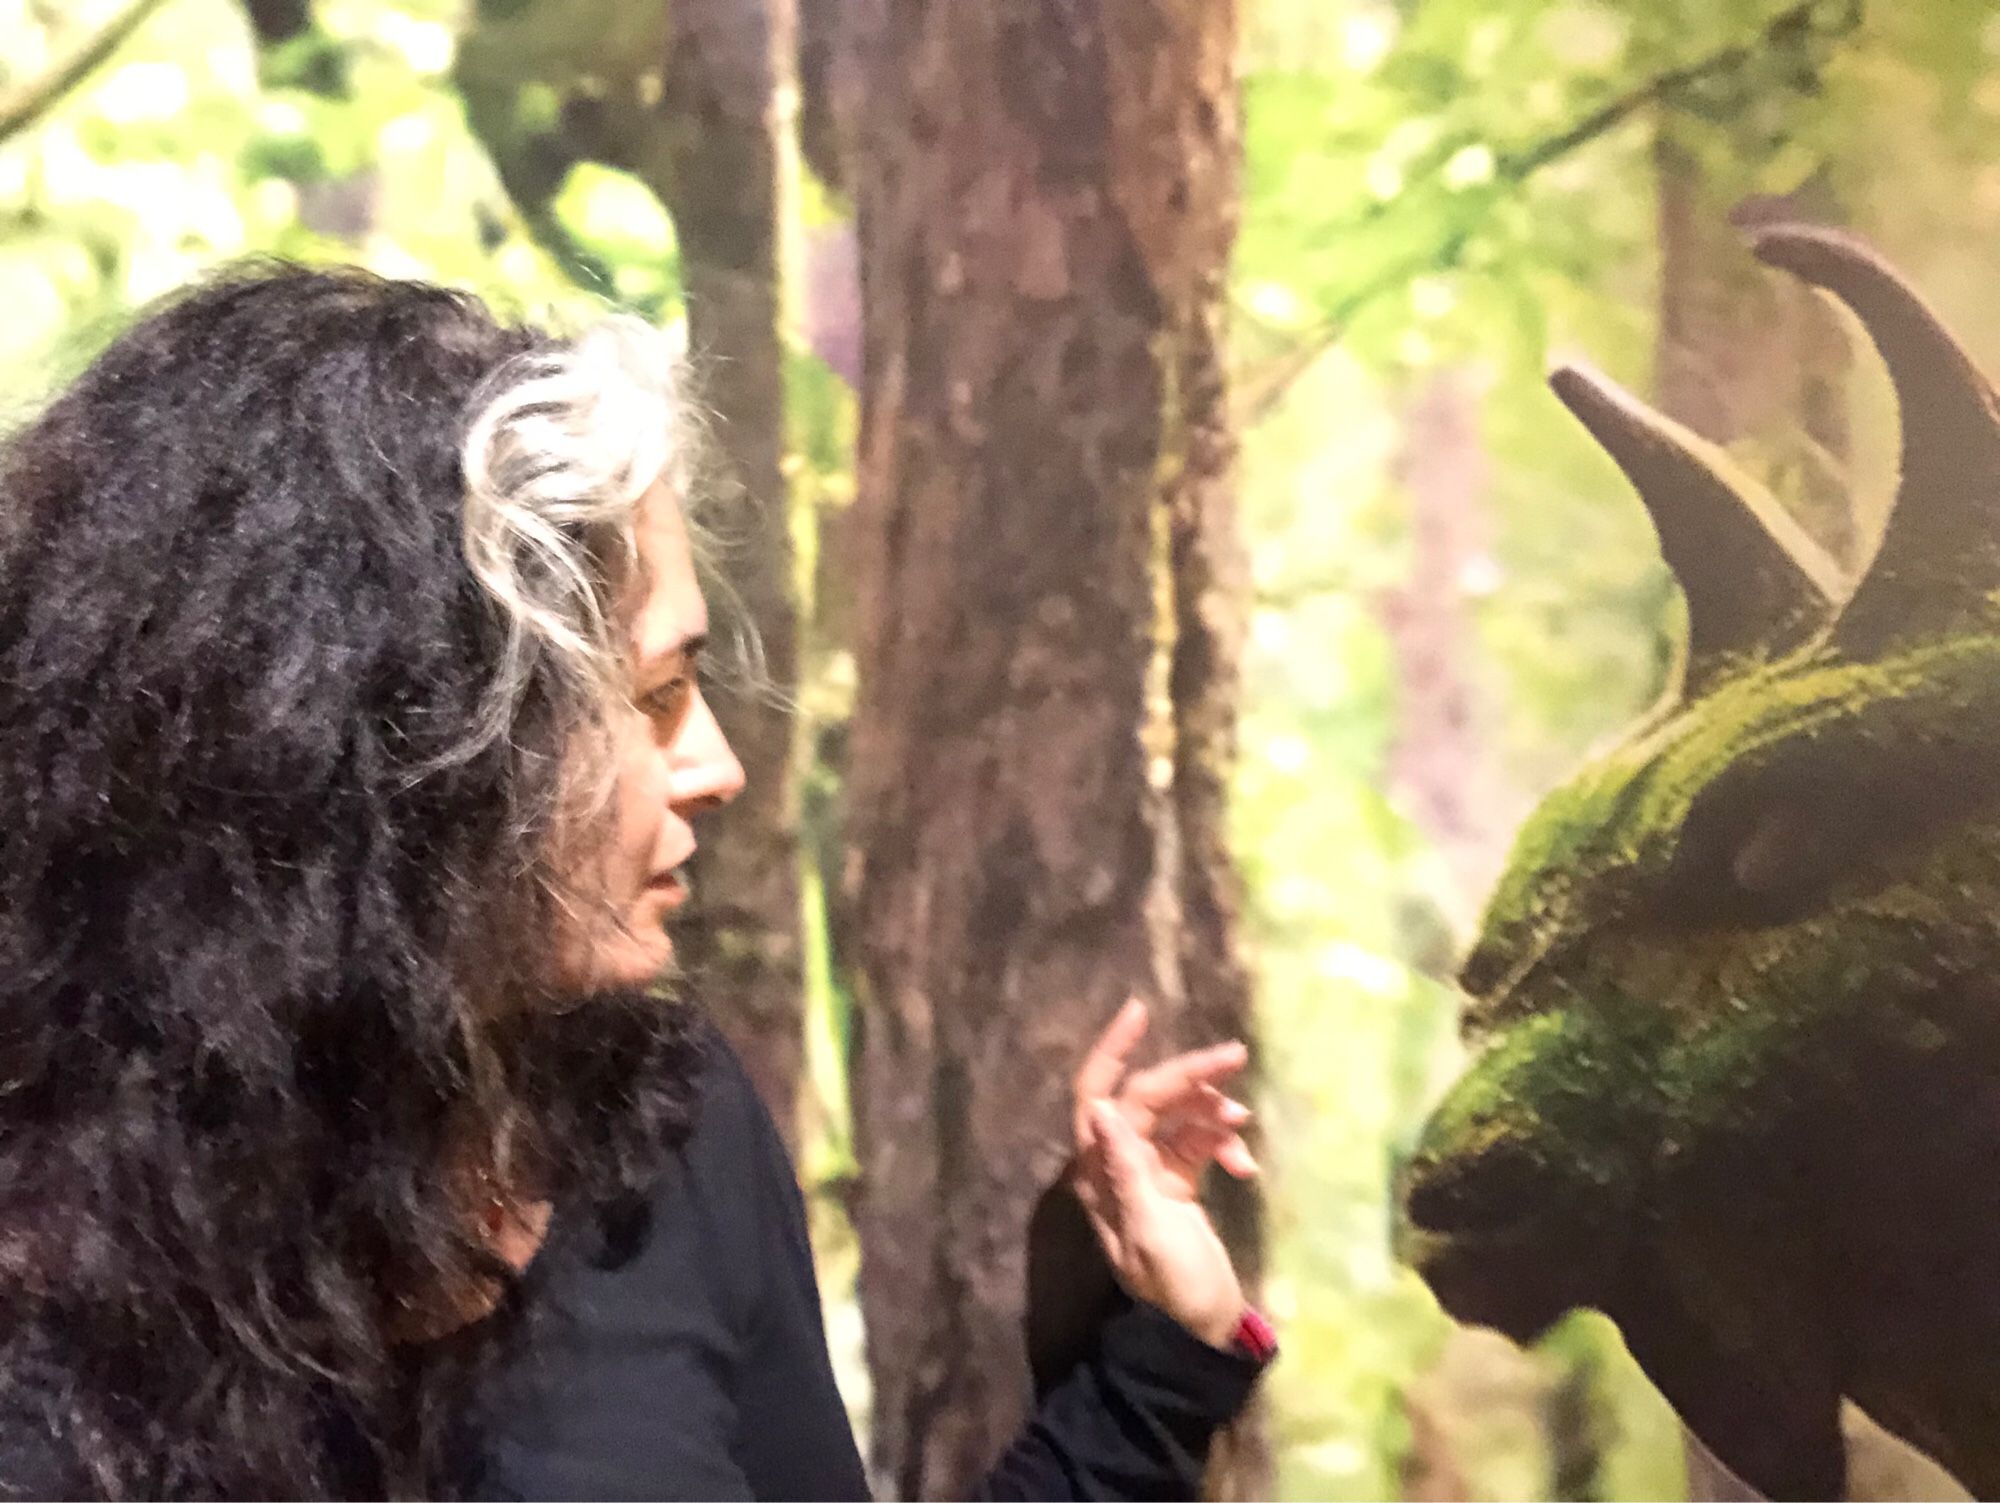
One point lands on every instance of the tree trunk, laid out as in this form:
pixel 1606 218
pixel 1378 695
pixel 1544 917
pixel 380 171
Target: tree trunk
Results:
pixel 1047 554
pixel 1210 586
pixel 725 171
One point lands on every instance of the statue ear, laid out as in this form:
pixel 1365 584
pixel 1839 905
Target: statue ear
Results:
pixel 1787 852
pixel 1762 856
pixel 1765 843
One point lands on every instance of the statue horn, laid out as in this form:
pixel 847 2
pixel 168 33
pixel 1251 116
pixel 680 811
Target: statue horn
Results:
pixel 1940 555
pixel 1756 584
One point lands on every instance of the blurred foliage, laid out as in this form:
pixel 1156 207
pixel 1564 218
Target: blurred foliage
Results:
pixel 1431 185
pixel 187 148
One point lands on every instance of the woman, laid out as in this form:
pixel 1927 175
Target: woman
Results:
pixel 351 739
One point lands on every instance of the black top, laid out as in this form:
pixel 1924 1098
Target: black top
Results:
pixel 684 1357
pixel 678 1352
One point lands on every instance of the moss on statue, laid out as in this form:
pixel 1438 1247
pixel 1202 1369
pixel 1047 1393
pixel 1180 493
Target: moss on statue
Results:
pixel 1738 992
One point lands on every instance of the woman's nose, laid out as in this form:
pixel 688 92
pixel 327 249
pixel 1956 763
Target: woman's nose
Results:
pixel 703 772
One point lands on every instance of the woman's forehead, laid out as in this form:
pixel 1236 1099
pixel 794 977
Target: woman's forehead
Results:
pixel 672 612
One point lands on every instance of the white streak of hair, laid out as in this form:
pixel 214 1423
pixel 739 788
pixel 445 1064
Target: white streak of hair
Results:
pixel 562 445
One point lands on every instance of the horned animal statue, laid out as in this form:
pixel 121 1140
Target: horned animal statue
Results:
pixel 1737 997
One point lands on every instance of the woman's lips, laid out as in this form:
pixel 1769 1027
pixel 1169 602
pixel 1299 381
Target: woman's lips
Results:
pixel 673 885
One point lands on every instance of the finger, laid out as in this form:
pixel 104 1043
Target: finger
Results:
pixel 1207 1104
pixel 1094 1191
pixel 1186 1151
pixel 1201 1103
pixel 1126 1163
pixel 1237 1160
pixel 1104 1066
pixel 1204 1109
pixel 1108 1239
pixel 1227 1109
pixel 1165 1083
pixel 1191 1143
pixel 1195 1146
pixel 1232 1153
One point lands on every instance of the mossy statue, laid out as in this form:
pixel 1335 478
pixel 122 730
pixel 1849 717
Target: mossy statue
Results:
pixel 1738 994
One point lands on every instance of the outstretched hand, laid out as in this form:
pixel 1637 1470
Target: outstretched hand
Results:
pixel 1142 1144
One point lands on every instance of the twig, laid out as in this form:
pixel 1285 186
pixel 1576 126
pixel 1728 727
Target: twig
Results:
pixel 22 107
pixel 1514 168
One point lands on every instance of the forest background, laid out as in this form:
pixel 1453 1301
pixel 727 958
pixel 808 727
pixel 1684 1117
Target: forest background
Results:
pixel 1171 569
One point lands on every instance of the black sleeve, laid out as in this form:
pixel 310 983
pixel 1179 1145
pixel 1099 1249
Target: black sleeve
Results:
pixel 1133 1419
pixel 1127 1399
pixel 1128 1403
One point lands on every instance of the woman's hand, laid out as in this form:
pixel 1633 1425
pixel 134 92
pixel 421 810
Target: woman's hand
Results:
pixel 1141 1146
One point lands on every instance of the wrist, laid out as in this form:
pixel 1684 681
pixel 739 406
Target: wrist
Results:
pixel 1246 1333
pixel 1221 1329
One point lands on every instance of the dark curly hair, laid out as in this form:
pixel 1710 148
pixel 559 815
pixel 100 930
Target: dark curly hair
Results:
pixel 270 911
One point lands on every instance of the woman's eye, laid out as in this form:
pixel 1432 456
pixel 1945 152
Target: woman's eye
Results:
pixel 670 700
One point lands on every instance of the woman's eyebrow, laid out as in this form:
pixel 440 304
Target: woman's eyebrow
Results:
pixel 690 646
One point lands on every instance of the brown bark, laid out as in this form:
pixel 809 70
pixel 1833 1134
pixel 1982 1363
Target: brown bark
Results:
pixel 1192 89
pixel 723 166
pixel 838 41
pixel 1045 206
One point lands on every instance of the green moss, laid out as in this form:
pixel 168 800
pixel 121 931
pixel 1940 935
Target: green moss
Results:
pixel 1714 954
pixel 1595 847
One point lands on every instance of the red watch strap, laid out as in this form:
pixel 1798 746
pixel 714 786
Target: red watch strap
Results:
pixel 1254 1336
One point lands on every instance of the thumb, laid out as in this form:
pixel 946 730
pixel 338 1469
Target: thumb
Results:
pixel 1124 1154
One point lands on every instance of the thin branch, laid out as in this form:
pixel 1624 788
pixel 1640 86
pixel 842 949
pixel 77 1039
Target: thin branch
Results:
pixel 22 107
pixel 1515 168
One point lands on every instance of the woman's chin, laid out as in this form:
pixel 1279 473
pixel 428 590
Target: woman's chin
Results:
pixel 634 950
pixel 623 961
pixel 640 961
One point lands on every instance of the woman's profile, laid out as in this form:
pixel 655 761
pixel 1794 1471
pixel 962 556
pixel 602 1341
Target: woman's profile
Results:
pixel 353 745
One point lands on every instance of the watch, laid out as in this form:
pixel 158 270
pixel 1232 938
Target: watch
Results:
pixel 1254 1336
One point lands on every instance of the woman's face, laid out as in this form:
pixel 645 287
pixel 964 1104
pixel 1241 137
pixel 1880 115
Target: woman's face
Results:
pixel 671 763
